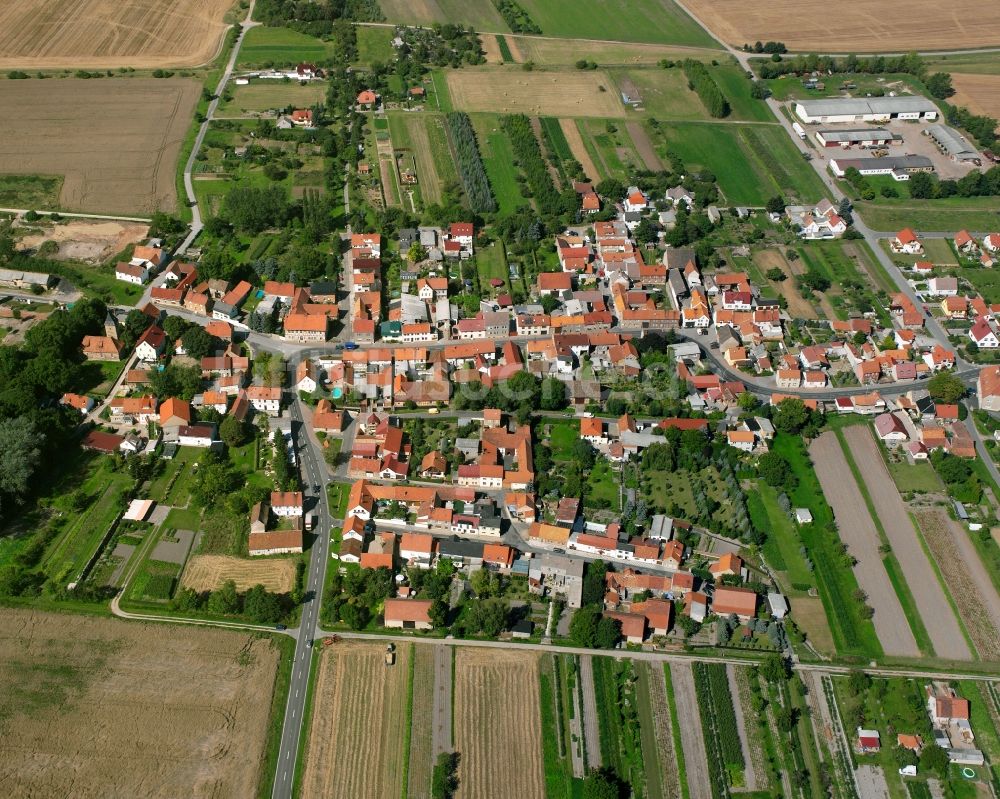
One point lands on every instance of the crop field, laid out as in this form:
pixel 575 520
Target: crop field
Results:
pixel 858 26
pixel 657 21
pixel 979 93
pixel 496 710
pixel 506 90
pixel 480 14
pixel 280 47
pixel 425 138
pixel 130 720
pixel 421 741
pixel 269 95
pixel 610 148
pixel 102 34
pixel 952 213
pixel 115 141
pixel 566 52
pixel 355 746
pixel 858 532
pixel 208 572
pixel 665 93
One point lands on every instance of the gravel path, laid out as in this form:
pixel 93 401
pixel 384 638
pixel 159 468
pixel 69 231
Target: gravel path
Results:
pixel 441 726
pixel 591 733
pixel 939 620
pixel 858 531
pixel 692 742
pixel 741 727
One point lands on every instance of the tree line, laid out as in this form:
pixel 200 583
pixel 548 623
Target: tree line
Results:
pixel 528 156
pixel 517 19
pixel 470 163
pixel 703 84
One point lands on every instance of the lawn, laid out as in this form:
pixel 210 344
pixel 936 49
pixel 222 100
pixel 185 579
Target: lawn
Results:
pixel 665 93
pixel 491 264
pixel 985 281
pixel 270 95
pixel 30 191
pixel 952 213
pixel 498 158
pixel 751 162
pixel 265 46
pixel 656 21
pixel 562 437
pixel 789 87
pixel 374 45
pixel 602 484
pixel 97 281
pixel 836 582
pixel 783 547
pixel 97 377
pixel 736 87
pixel 914 477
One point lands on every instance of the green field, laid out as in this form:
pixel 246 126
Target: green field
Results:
pixel 498 158
pixel 783 545
pixel 610 148
pixel 656 21
pixel 30 191
pixel 268 95
pixel 374 45
pixel 952 213
pixel 736 87
pixel 665 93
pixel 265 46
pixel 751 162
pixel 480 14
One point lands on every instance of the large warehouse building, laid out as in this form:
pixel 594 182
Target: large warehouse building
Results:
pixel 864 137
pixel 900 167
pixel 865 109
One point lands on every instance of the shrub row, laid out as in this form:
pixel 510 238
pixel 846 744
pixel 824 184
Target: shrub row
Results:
pixel 529 157
pixel 703 84
pixel 516 17
pixel 470 163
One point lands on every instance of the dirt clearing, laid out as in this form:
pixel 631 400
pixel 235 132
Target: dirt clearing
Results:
pixel 973 592
pixel 798 308
pixel 355 746
pixel 513 91
pixel 644 146
pixel 979 93
pixel 116 140
pixel 858 25
pixel 497 710
pixel 579 150
pixel 102 707
pixel 858 531
pixel 103 34
pixel 938 619
pixel 208 572
pixel 90 242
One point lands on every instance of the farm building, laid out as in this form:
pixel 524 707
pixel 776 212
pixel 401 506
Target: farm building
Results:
pixel 863 137
pixel 865 109
pixel 900 167
pixel 951 143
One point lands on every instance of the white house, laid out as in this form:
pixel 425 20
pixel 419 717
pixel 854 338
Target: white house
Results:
pixel 136 274
pixel 906 241
pixel 635 201
pixel 196 435
pixel 151 344
pixel 984 335
pixel 265 399
pixel 286 503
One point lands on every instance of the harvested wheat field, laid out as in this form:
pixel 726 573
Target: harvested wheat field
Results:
pixel 497 710
pixel 979 93
pixel 857 26
pixel 355 747
pixel 208 572
pixel 513 91
pixel 103 707
pixel 115 140
pixel 103 34
pixel 971 588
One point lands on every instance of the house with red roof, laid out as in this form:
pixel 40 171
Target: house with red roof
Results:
pixel 907 242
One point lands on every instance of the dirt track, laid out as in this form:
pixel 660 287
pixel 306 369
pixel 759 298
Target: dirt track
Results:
pixel 99 707
pixel 576 145
pixel 101 34
pixel 936 613
pixel 858 531
pixel 644 146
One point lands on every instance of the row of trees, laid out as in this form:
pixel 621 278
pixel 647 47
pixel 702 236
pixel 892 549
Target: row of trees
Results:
pixel 517 19
pixel 470 163
pixel 257 605
pixel 528 155
pixel 703 84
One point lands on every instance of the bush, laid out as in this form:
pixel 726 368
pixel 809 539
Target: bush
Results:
pixel 703 84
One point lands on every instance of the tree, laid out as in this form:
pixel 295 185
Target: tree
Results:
pixel 444 780
pixel 232 431
pixel 775 205
pixel 934 759
pixel 438 613
pixel 354 615
pixel 774 668
pixel 747 401
pixel 775 274
pixel 946 387
pixel 609 633
pixel 939 85
pixel 224 600
pixel 603 783
pixel 416 253
pixel 261 606
pixel 922 186
pixel 20 454
pixel 198 343
pixel 775 469
pixel 791 416
pixel 583 626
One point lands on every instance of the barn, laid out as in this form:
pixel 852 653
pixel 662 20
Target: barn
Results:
pixel 863 137
pixel 865 109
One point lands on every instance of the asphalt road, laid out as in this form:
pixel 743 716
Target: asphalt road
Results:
pixel 313 474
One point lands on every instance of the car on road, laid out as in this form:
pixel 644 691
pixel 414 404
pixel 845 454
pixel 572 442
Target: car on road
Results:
pixel 350 345
pixel 309 644
pixel 433 410
pixel 280 627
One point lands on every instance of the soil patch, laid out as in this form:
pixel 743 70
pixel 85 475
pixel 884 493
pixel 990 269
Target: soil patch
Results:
pixel 208 572
pixel 90 242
